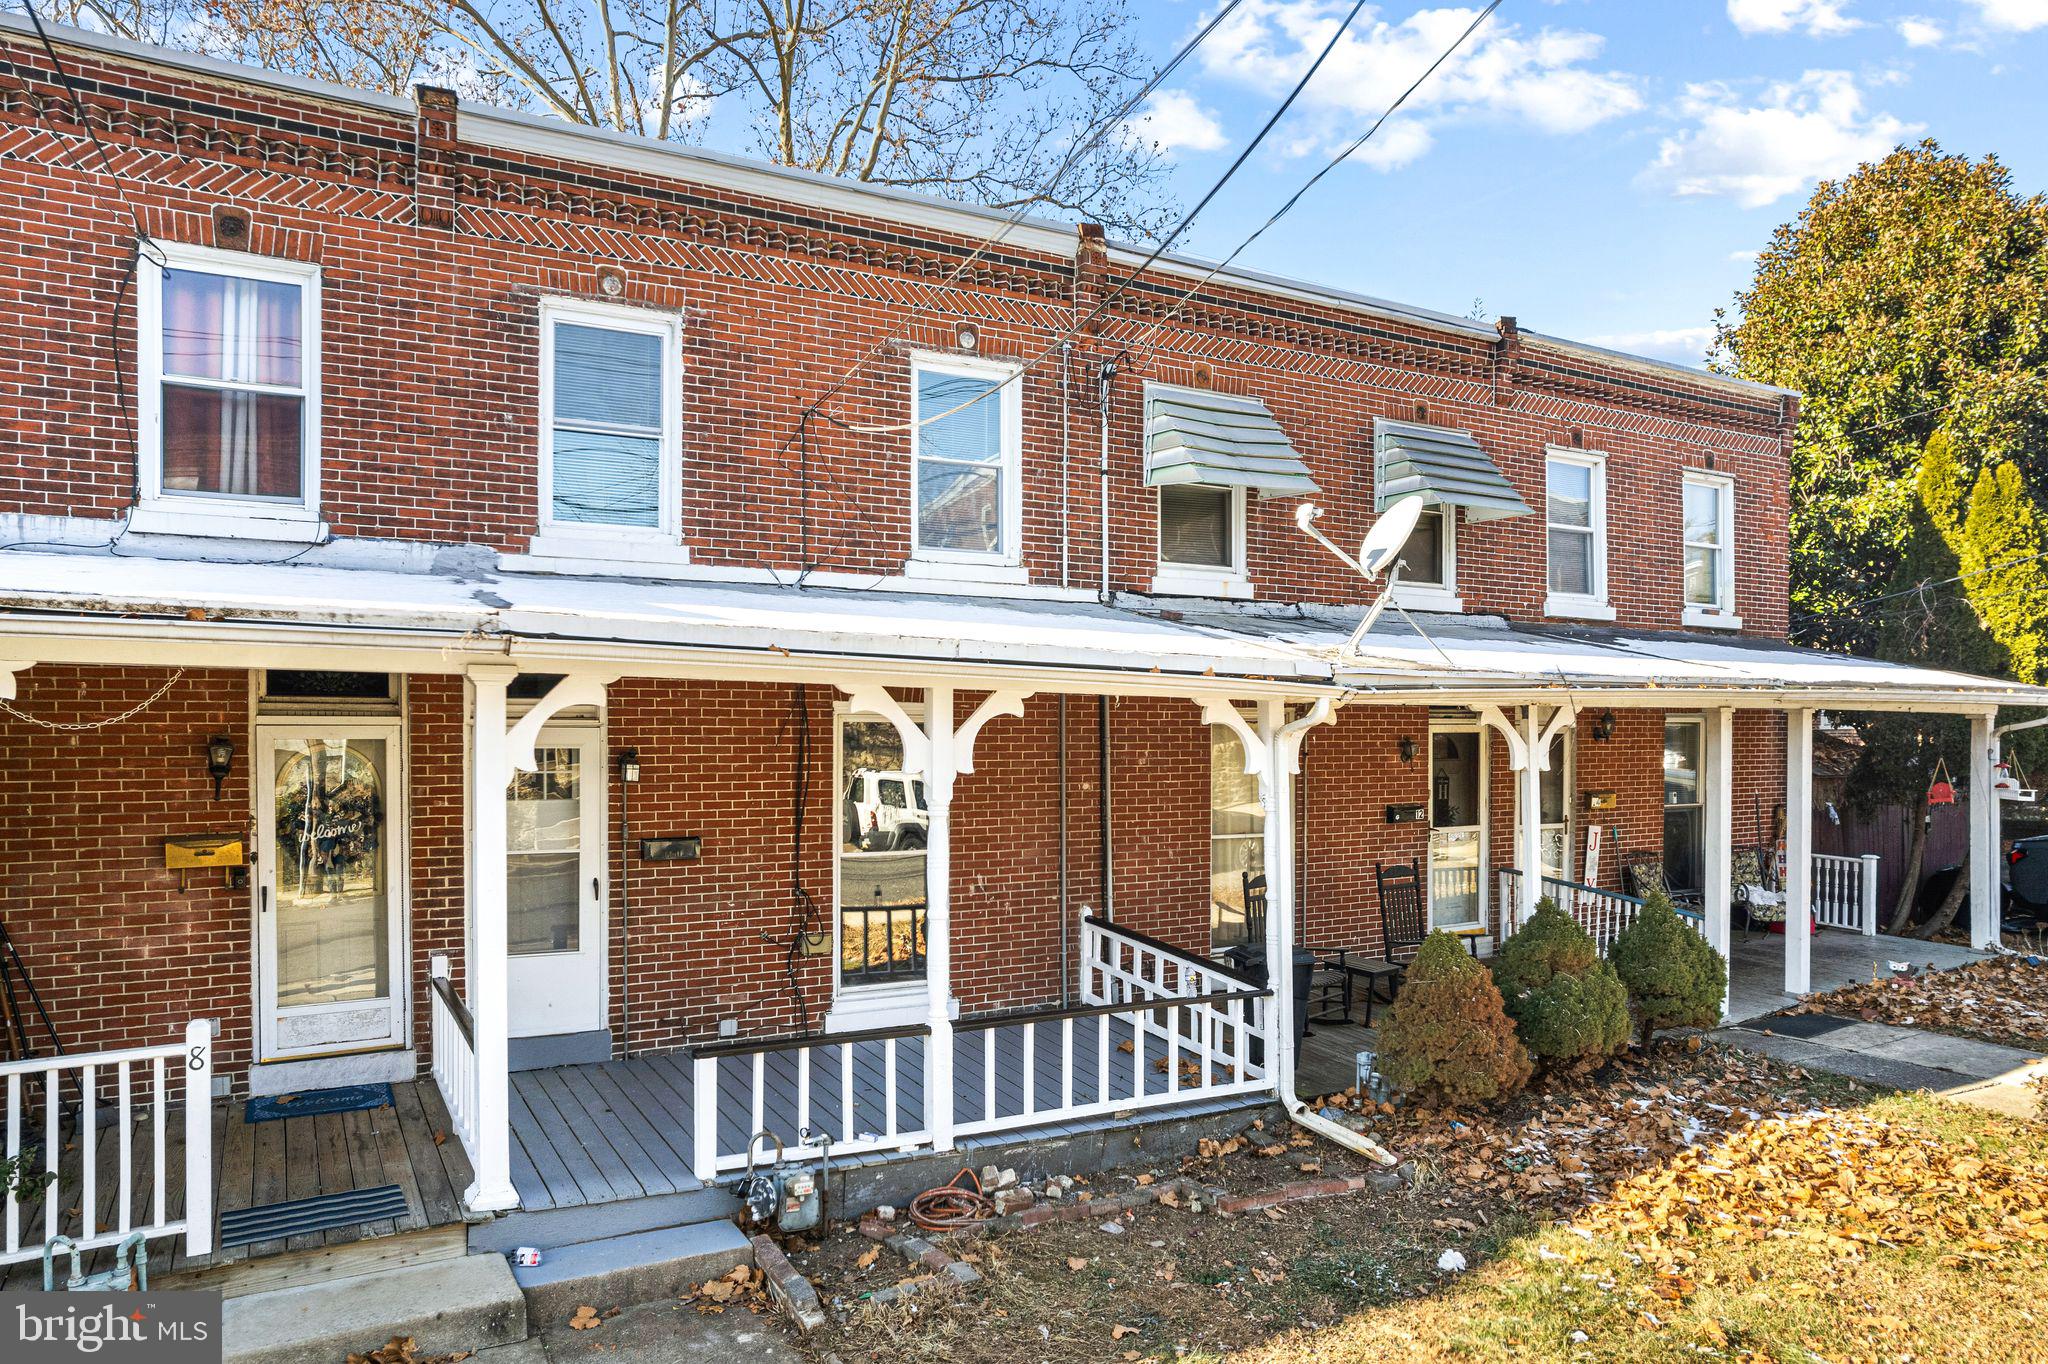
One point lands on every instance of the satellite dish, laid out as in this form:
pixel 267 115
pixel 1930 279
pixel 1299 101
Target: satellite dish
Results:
pixel 1383 543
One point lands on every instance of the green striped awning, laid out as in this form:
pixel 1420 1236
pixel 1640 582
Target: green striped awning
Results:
pixel 1220 440
pixel 1443 465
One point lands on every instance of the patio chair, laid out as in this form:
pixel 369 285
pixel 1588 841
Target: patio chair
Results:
pixel 1254 908
pixel 1759 905
pixel 1404 923
pixel 1645 877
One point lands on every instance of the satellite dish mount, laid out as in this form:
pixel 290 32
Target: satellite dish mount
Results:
pixel 1379 554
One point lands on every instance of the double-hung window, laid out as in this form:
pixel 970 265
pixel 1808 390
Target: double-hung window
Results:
pixel 611 448
pixel 1429 562
pixel 966 436
pixel 229 394
pixel 1575 514
pixel 1709 512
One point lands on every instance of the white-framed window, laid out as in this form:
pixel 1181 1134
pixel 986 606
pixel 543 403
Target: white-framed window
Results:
pixel 611 466
pixel 228 394
pixel 1429 562
pixel 1203 548
pixel 1709 518
pixel 878 873
pixel 1575 520
pixel 967 437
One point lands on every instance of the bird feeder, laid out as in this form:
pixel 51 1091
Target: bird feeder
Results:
pixel 1942 791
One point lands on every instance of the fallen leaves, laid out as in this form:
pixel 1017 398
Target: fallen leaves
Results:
pixel 585 1319
pixel 2003 999
pixel 868 1257
pixel 1077 1263
pixel 405 1350
pixel 742 1287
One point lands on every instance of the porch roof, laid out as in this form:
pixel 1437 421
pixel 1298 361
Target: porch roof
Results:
pixel 1458 657
pixel 460 607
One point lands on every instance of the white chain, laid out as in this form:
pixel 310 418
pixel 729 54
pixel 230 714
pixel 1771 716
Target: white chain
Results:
pixel 127 714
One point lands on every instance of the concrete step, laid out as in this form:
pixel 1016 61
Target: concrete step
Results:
pixel 470 1303
pixel 628 1269
pixel 549 1228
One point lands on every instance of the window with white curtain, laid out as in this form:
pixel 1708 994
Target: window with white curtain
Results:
pixel 229 384
pixel 966 433
pixel 610 457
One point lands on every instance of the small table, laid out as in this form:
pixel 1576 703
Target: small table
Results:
pixel 1354 965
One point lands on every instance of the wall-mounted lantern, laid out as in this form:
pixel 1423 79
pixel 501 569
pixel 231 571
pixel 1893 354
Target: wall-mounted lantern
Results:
pixel 220 760
pixel 1407 749
pixel 1603 726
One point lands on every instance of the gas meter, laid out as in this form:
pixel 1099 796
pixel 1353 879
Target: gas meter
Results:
pixel 791 1199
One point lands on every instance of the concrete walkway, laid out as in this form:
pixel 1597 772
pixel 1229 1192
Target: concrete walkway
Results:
pixel 1977 1073
pixel 1757 965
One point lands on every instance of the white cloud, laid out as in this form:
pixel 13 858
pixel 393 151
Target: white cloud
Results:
pixel 2016 16
pixel 1174 122
pixel 1682 345
pixel 1816 18
pixel 1920 32
pixel 1544 79
pixel 1758 151
pixel 1743 257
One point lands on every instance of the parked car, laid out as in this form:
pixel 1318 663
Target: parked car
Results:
pixel 2026 881
pixel 885 812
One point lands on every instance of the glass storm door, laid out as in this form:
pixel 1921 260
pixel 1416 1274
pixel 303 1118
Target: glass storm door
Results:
pixel 1457 826
pixel 1555 788
pixel 327 904
pixel 554 887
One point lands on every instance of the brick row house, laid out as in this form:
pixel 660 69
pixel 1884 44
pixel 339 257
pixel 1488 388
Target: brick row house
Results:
pixel 635 646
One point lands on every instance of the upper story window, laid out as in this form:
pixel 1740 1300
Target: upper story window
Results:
pixel 1428 579
pixel 229 394
pixel 1709 511
pixel 1201 530
pixel 1575 516
pixel 967 434
pixel 610 419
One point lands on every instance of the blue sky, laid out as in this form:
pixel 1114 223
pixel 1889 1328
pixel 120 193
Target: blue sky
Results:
pixel 1601 169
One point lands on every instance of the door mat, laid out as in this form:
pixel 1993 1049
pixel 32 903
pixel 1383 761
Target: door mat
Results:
pixel 1802 1025
pixel 314 1102
pixel 276 1221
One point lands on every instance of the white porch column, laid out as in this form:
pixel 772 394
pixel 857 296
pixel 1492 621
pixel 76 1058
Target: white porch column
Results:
pixel 1798 851
pixel 490 771
pixel 1717 869
pixel 938 918
pixel 1529 815
pixel 1277 850
pixel 1984 877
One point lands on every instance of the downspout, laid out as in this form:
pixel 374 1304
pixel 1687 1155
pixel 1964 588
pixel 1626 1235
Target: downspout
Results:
pixel 1102 779
pixel 1282 755
pixel 1066 924
pixel 1107 378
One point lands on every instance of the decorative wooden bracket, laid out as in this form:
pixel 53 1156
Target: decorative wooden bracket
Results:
pixel 9 688
pixel 1490 717
pixel 994 704
pixel 1219 710
pixel 577 689
pixel 872 698
pixel 1564 717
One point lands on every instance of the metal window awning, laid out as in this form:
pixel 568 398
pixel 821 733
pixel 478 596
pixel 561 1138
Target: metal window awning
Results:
pixel 1445 466
pixel 1220 440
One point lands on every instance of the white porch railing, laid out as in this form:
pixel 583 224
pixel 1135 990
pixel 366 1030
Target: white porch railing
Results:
pixel 139 1085
pixel 1845 892
pixel 454 1038
pixel 1602 913
pixel 808 1090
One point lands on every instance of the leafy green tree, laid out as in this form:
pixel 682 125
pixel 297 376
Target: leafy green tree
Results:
pixel 1908 297
pixel 1569 1006
pixel 1674 976
pixel 1446 1035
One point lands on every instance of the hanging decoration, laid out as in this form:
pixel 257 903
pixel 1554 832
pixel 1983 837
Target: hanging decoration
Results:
pixel 1943 791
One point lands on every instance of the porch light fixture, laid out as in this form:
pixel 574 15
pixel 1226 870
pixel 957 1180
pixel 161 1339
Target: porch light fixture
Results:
pixel 629 764
pixel 1603 726
pixel 220 760
pixel 1407 748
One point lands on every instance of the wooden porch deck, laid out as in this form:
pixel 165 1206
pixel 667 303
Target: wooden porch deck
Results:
pixel 617 1130
pixel 408 1144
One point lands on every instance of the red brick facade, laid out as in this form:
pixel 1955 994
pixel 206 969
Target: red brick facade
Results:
pixel 435 252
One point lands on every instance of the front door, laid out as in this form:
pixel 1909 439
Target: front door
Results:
pixel 1457 827
pixel 329 884
pixel 554 887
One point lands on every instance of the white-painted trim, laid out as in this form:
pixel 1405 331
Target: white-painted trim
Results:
pixel 926 575
pixel 1587 605
pixel 1478 727
pixel 1170 580
pixel 169 512
pixel 586 538
pixel 1009 376
pixel 330 1072
pixel 1416 595
pixel 1722 609
pixel 896 1002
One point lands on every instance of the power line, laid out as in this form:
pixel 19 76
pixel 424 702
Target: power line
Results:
pixel 1856 605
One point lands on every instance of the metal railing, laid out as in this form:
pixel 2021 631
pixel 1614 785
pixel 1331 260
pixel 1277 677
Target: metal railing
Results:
pixel 454 1039
pixel 137 1089
pixel 814 1089
pixel 1845 892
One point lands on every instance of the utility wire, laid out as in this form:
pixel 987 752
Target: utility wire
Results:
pixel 1857 605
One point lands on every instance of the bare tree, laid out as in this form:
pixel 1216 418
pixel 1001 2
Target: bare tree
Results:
pixel 977 100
